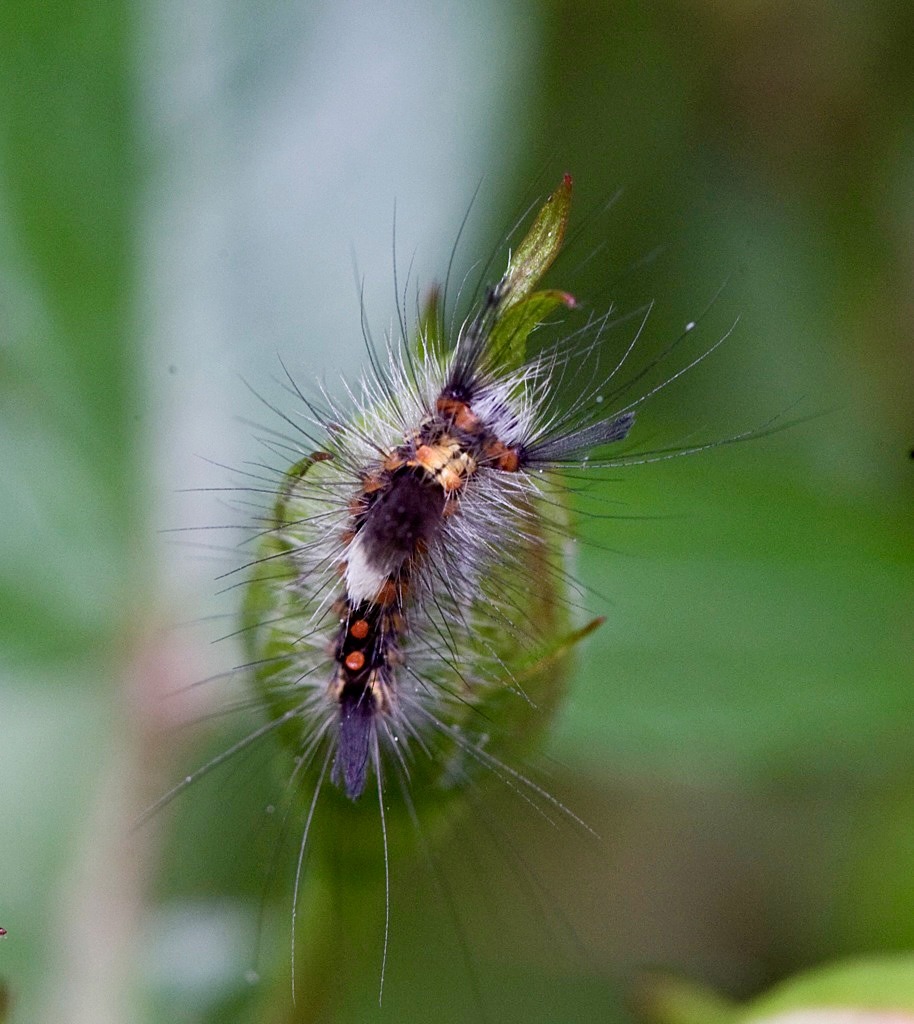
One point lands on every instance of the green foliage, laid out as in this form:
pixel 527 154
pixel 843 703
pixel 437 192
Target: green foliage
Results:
pixel 539 247
pixel 522 309
pixel 866 984
pixel 870 983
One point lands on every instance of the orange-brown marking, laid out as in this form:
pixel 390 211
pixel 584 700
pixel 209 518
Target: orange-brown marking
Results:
pixel 432 458
pixel 388 593
pixel 394 461
pixel 466 419
pixel 355 661
pixel 359 629
pixel 448 406
pixel 461 415
pixel 504 458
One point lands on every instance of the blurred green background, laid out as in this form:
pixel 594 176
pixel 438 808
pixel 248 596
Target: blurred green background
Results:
pixel 182 187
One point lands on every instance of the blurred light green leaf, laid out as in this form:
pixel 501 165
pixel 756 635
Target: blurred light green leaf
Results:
pixel 68 393
pixel 539 247
pixel 867 983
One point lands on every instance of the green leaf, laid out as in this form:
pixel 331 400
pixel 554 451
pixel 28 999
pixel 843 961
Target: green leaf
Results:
pixel 513 309
pixel 293 476
pixel 431 342
pixel 70 491
pixel 539 248
pixel 872 983
pixel 508 341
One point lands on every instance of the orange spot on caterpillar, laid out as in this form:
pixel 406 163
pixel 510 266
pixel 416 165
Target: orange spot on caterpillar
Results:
pixel 460 413
pixel 467 420
pixel 504 458
pixel 430 458
pixel 392 593
pixel 359 629
pixel 394 461
pixel 355 661
pixel 449 406
pixel 510 461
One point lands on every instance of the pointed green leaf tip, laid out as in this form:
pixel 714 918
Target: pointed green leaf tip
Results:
pixel 431 341
pixel 536 253
pixel 517 309
pixel 522 310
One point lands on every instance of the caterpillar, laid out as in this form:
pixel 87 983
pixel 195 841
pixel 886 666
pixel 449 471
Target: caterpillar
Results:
pixel 407 615
pixel 439 467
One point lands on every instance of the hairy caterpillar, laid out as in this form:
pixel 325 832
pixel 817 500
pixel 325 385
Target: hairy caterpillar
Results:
pixel 407 616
